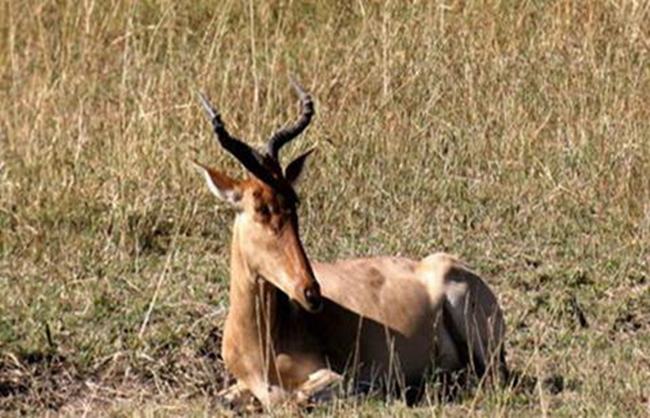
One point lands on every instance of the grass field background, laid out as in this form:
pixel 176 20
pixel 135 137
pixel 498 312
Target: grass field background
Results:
pixel 513 134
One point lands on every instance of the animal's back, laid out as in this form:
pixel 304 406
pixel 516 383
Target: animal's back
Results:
pixel 416 309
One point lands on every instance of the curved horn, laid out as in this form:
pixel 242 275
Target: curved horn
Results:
pixel 249 157
pixel 281 137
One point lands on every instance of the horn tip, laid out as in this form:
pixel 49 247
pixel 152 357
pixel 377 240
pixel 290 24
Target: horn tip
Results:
pixel 207 106
pixel 297 87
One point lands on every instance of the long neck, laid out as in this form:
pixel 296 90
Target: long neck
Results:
pixel 253 308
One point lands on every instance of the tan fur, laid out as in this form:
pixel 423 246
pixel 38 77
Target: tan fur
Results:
pixel 382 317
pixel 293 328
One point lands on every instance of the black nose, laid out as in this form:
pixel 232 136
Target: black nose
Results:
pixel 313 298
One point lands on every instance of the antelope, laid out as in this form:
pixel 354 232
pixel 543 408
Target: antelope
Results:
pixel 294 327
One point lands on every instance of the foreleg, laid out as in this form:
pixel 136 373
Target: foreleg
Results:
pixel 318 387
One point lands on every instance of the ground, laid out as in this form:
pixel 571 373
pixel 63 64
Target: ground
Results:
pixel 515 135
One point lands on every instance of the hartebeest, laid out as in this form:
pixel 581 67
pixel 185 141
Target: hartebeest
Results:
pixel 382 318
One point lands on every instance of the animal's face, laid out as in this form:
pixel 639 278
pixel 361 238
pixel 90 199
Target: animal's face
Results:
pixel 267 226
pixel 267 232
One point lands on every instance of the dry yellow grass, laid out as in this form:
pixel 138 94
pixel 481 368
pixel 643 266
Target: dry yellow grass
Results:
pixel 514 134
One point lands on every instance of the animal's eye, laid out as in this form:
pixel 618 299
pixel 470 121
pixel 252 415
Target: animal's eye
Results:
pixel 264 210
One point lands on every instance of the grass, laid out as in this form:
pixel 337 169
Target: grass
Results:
pixel 514 134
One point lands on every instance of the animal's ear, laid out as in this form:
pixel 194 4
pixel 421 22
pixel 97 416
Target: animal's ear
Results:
pixel 220 184
pixel 294 169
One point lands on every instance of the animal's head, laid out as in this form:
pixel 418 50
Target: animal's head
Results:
pixel 266 225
